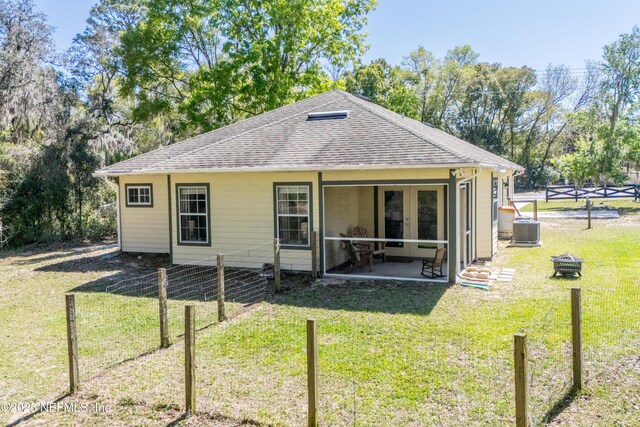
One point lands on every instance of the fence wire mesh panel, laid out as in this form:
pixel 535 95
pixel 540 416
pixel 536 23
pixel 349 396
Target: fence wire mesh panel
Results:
pixel 372 374
pixel 550 358
pixel 118 324
pixel 611 330
pixel 247 278
pixel 123 322
pixel 254 368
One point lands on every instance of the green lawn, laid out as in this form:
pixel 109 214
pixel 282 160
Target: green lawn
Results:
pixel 390 353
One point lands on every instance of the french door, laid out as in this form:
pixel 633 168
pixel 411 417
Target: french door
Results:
pixel 411 213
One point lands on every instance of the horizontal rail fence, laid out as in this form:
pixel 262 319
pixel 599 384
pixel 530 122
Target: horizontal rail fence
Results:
pixel 569 192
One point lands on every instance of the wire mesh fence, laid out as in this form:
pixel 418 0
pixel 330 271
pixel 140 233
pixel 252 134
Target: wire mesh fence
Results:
pixel 123 322
pixel 255 369
pixel 246 279
pixel 372 375
pixel 550 358
pixel 118 324
pixel 370 372
pixel 611 328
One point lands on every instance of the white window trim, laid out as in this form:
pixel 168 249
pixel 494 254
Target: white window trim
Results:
pixel 307 216
pixel 181 241
pixel 139 187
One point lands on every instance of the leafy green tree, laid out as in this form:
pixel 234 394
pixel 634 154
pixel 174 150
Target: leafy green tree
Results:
pixel 214 62
pixel 600 151
pixel 423 66
pixel 492 104
pixel 37 208
pixel 385 85
pixel 82 162
pixel 620 67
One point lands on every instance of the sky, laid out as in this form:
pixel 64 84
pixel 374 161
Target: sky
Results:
pixel 510 32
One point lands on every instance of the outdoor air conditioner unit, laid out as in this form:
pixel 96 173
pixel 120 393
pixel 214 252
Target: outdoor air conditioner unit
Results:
pixel 526 232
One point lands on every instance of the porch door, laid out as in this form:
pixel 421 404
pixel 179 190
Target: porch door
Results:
pixel 411 212
pixel 425 208
pixel 465 224
pixel 395 210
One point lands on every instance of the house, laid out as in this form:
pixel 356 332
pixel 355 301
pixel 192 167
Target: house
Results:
pixel 327 164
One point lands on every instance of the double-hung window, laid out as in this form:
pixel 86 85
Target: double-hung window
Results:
pixel 139 195
pixel 193 214
pixel 292 214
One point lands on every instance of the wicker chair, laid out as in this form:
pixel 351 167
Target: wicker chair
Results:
pixel 432 267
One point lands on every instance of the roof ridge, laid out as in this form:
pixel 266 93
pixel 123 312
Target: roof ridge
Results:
pixel 365 105
pixel 287 117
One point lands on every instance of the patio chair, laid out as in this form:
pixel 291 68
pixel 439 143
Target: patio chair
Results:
pixel 356 256
pixel 432 267
pixel 361 233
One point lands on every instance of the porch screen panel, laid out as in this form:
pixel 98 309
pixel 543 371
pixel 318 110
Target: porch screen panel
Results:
pixel 427 218
pixel 394 217
pixel 293 215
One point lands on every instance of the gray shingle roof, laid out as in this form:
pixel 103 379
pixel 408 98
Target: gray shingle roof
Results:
pixel 284 139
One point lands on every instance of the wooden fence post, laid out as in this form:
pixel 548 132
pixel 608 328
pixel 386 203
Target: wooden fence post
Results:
pixel 312 373
pixel 162 299
pixel 314 255
pixel 546 194
pixel 576 329
pixel 535 209
pixel 72 342
pixel 276 264
pixel 520 359
pixel 588 213
pixel 190 358
pixel 220 272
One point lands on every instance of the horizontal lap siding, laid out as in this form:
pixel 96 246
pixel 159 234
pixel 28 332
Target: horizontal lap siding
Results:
pixel 485 229
pixel 145 229
pixel 242 217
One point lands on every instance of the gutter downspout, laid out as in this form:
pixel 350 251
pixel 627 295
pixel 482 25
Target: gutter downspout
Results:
pixel 115 184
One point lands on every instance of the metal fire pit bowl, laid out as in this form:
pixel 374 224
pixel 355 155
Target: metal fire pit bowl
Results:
pixel 567 265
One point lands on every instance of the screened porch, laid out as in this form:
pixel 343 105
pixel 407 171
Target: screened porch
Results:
pixel 386 231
